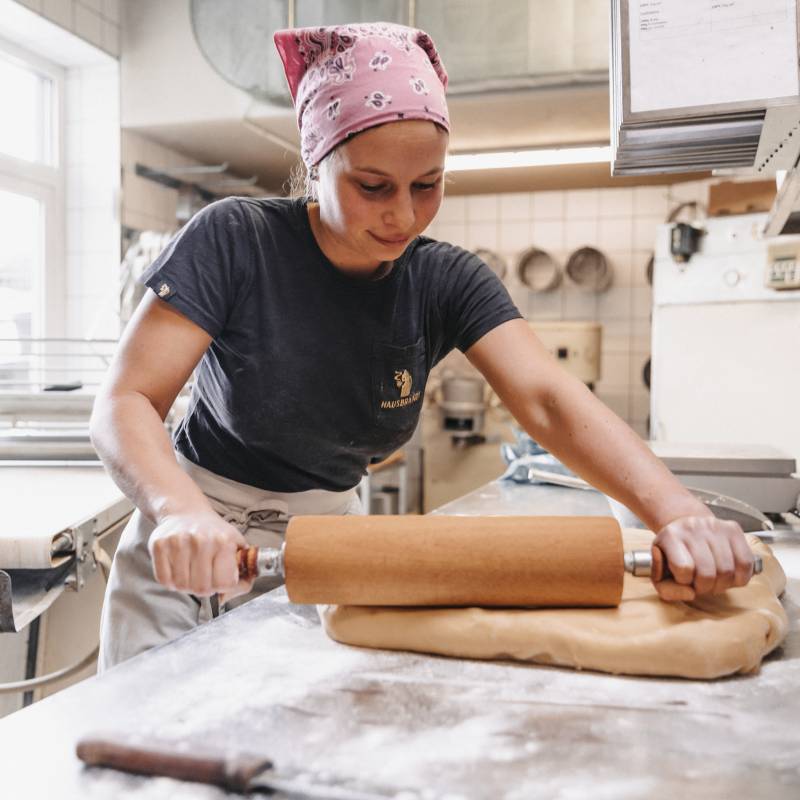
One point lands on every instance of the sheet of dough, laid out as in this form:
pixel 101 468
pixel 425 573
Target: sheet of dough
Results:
pixel 715 636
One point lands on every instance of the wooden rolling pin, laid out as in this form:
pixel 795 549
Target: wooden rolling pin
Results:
pixel 446 561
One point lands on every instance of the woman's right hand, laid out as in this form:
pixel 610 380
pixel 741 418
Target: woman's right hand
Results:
pixel 196 553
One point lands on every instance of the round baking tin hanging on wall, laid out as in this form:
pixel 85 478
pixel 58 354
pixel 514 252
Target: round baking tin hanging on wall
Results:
pixel 538 270
pixel 589 269
pixel 493 260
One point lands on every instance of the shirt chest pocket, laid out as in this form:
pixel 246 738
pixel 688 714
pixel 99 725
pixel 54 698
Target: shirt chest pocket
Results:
pixel 398 385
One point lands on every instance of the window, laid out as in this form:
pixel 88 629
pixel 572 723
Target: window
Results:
pixel 27 131
pixel 21 232
pixel 31 197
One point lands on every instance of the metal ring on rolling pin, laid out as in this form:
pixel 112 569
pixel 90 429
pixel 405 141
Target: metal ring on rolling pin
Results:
pixel 588 268
pixel 538 270
pixel 494 261
pixel 259 562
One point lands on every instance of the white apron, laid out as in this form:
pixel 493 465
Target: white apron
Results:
pixel 140 613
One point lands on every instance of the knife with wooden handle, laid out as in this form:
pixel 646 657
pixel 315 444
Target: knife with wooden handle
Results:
pixel 238 773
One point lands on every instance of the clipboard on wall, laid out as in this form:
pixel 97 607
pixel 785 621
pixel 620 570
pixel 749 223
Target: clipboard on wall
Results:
pixel 691 80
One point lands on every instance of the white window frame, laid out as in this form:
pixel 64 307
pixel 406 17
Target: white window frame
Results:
pixel 47 184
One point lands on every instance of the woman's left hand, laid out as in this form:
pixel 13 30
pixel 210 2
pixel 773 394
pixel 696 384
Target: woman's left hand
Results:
pixel 706 555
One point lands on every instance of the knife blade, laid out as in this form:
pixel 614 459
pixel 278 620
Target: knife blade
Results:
pixel 239 772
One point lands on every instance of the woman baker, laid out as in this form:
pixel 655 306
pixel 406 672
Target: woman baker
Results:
pixel 313 324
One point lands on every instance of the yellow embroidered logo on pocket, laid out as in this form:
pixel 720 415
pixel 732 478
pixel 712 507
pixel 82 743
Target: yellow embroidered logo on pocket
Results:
pixel 402 380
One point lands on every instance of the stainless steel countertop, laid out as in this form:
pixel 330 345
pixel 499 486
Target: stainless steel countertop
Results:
pixel 264 678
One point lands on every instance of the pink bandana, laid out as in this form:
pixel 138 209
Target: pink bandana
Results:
pixel 347 78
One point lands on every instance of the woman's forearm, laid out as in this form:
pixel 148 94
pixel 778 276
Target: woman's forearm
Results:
pixel 596 444
pixel 131 440
pixel 705 555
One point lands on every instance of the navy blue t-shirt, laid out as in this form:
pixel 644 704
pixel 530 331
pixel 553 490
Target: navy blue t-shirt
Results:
pixel 311 374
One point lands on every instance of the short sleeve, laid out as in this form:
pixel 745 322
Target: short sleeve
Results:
pixel 472 299
pixel 204 267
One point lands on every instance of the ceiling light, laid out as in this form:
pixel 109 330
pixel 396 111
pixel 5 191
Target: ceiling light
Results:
pixel 528 158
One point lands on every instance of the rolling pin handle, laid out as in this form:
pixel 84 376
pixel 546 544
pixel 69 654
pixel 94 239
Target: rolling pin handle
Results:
pixel 260 562
pixel 640 564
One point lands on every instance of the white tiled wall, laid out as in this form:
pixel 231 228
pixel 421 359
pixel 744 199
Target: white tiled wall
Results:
pixel 92 185
pixel 96 21
pixel 619 222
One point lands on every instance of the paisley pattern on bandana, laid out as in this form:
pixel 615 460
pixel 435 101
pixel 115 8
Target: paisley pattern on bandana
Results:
pixel 314 41
pixel 380 60
pixel 333 108
pixel 310 140
pixel 340 67
pixel 402 43
pixel 333 71
pixel 418 85
pixel 378 100
pixel 426 43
